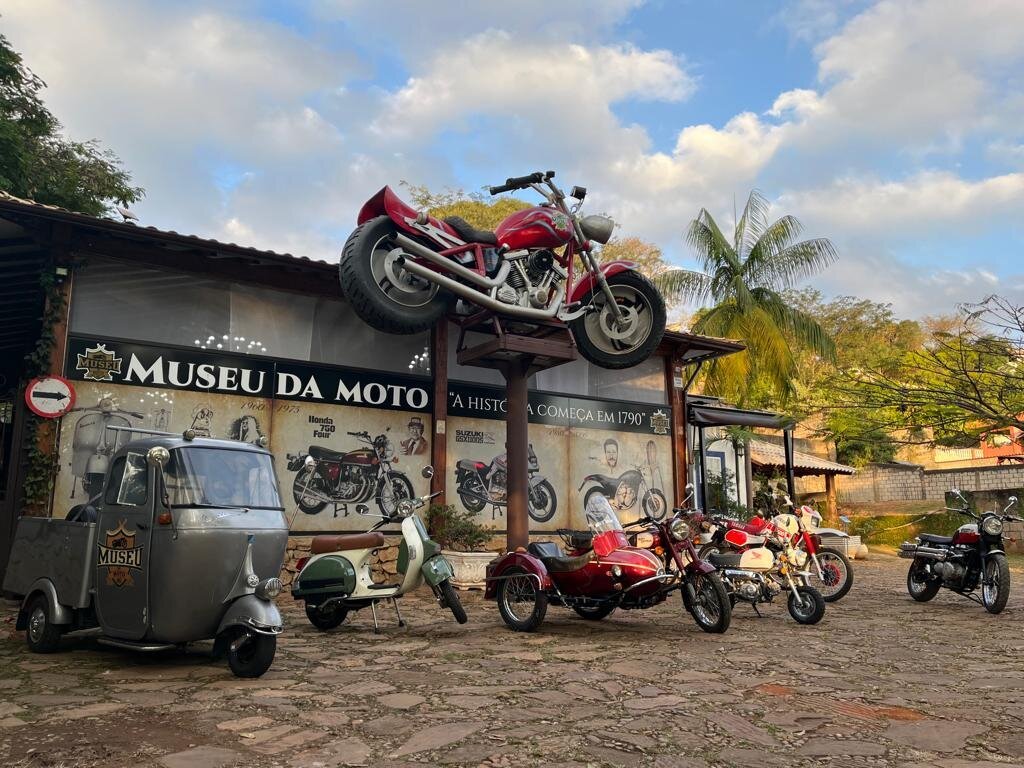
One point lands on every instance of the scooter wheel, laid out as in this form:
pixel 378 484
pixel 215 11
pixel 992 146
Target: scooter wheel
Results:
pixel 252 657
pixel 42 634
pixel 809 609
pixel 521 602
pixel 327 617
pixel 451 600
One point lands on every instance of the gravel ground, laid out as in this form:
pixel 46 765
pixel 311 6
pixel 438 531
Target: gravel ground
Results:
pixel 881 681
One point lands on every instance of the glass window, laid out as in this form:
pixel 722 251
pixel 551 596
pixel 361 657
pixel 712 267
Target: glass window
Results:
pixel 212 477
pixel 333 341
pixel 643 383
pixel 129 481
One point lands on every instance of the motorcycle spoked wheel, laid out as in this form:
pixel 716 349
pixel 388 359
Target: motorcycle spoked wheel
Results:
pixel 597 335
pixel 920 588
pixel 308 480
pixel 713 609
pixel 836 572
pixel 809 608
pixel 382 294
pixel 471 495
pixel 654 504
pixel 521 602
pixel 400 488
pixel 995 588
pixel 543 502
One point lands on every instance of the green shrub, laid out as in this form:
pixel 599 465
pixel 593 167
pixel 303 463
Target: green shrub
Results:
pixel 893 530
pixel 455 530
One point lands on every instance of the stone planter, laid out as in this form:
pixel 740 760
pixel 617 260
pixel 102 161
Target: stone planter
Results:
pixel 848 545
pixel 470 568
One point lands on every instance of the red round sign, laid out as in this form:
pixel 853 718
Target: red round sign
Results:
pixel 50 396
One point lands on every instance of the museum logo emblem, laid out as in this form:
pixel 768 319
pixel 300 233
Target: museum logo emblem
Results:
pixel 99 363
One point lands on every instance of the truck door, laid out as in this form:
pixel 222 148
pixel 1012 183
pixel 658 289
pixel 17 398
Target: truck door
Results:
pixel 123 540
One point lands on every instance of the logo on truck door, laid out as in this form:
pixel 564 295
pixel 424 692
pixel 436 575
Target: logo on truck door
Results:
pixel 119 555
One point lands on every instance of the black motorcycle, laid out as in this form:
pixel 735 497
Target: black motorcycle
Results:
pixel 625 491
pixel 480 483
pixel 326 476
pixel 971 557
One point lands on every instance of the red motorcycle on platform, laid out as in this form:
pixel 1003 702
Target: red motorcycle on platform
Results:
pixel 602 572
pixel 402 268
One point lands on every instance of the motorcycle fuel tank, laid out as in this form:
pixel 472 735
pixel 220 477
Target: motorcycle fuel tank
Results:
pixel 537 227
pixel 757 559
pixel 967 534
pixel 362 456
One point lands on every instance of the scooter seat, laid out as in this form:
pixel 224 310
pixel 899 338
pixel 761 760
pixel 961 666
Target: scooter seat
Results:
pixel 725 559
pixel 469 233
pixel 342 541
pixel 931 538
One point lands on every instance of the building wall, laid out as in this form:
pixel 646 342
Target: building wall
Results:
pixel 911 483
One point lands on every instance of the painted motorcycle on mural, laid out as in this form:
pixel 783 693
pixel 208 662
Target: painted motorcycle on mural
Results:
pixel 93 443
pixel 326 476
pixel 626 491
pixel 480 483
pixel 401 270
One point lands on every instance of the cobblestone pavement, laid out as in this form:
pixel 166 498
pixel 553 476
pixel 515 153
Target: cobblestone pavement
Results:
pixel 881 681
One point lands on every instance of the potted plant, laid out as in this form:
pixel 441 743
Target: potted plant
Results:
pixel 462 540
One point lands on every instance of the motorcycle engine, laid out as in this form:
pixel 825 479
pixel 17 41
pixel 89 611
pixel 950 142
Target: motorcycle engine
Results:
pixel 530 280
pixel 497 486
pixel 952 573
pixel 748 590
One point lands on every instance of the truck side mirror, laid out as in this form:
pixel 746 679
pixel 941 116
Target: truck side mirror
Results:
pixel 158 456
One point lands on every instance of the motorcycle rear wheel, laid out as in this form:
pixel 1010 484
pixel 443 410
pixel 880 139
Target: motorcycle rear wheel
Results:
pixel 809 609
pixel 995 593
pixel 921 591
pixel 602 343
pixel 521 602
pixel 382 295
pixel 837 573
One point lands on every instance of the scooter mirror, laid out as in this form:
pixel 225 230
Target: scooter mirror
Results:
pixel 428 472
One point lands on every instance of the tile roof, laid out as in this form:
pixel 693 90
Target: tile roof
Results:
pixel 767 454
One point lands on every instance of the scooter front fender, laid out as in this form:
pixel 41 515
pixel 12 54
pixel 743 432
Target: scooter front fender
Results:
pixel 436 569
pixel 498 569
pixel 252 613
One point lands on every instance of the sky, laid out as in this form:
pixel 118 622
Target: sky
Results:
pixel 895 128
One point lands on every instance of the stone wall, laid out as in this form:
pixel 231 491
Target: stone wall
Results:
pixel 888 482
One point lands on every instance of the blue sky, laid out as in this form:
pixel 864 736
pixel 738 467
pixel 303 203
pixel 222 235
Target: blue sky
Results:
pixel 892 127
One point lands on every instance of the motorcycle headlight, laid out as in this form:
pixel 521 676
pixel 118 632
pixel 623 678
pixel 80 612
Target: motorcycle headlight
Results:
pixel 992 525
pixel 679 529
pixel 405 508
pixel 268 589
pixel 597 228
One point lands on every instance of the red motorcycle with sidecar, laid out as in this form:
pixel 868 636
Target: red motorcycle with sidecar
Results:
pixel 601 571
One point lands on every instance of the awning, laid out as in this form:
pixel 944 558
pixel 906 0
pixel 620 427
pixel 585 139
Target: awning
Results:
pixel 765 454
pixel 720 416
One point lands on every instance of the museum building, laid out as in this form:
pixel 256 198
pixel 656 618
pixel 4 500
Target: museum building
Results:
pixel 163 331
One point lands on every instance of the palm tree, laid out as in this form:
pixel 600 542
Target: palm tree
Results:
pixel 744 280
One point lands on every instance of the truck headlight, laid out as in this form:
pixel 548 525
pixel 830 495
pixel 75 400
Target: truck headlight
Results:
pixel 268 589
pixel 679 529
pixel 992 525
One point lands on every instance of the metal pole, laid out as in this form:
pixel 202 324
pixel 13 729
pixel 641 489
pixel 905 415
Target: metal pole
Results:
pixel 787 444
pixel 516 441
pixel 703 473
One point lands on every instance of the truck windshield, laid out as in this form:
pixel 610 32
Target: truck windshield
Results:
pixel 205 477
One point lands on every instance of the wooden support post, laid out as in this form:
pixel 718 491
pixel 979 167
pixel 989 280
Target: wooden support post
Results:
pixel 439 441
pixel 677 400
pixel 831 504
pixel 516 444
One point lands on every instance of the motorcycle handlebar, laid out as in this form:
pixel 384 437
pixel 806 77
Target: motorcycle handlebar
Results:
pixel 519 182
pixel 359 434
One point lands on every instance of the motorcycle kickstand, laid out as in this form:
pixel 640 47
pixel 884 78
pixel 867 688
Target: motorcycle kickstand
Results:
pixel 373 610
pixel 401 621
pixel 754 606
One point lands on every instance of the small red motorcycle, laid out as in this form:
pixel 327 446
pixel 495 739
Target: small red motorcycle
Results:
pixel 602 572
pixel 401 268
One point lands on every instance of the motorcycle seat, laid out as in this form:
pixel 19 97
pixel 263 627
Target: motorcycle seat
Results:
pixel 319 452
pixel 469 233
pixel 931 538
pixel 754 529
pixel 725 559
pixel 471 465
pixel 343 541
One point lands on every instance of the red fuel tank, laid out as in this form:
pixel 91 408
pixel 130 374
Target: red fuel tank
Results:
pixel 967 534
pixel 538 227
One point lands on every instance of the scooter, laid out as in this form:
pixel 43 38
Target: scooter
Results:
pixel 336 578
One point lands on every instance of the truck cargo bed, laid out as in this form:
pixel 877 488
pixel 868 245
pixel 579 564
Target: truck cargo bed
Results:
pixel 58 550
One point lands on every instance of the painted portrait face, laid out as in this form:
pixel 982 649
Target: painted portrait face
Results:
pixel 611 453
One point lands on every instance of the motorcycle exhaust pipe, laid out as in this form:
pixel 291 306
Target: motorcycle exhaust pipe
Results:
pixel 410 245
pixel 474 296
pixel 910 551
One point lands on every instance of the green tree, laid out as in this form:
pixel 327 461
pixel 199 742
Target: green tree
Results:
pixel 39 163
pixel 647 256
pixel 746 278
pixel 480 211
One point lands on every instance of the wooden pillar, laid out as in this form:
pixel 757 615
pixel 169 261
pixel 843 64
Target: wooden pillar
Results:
pixel 439 443
pixel 831 504
pixel 516 444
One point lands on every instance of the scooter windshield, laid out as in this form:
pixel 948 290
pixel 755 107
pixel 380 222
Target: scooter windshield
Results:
pixel 607 530
pixel 216 477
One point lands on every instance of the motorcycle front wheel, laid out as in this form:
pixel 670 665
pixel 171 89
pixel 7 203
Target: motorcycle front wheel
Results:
pixel 712 609
pixel 654 504
pixel 384 295
pixel 543 502
pixel 307 489
pixel 995 590
pixel 609 344
pixel 393 490
pixel 807 606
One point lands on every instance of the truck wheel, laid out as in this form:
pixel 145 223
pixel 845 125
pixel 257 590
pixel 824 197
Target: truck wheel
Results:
pixel 521 602
pixel 252 656
pixel 328 617
pixel 42 634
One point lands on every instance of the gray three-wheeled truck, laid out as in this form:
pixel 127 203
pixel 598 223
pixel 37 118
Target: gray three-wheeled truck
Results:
pixel 184 542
